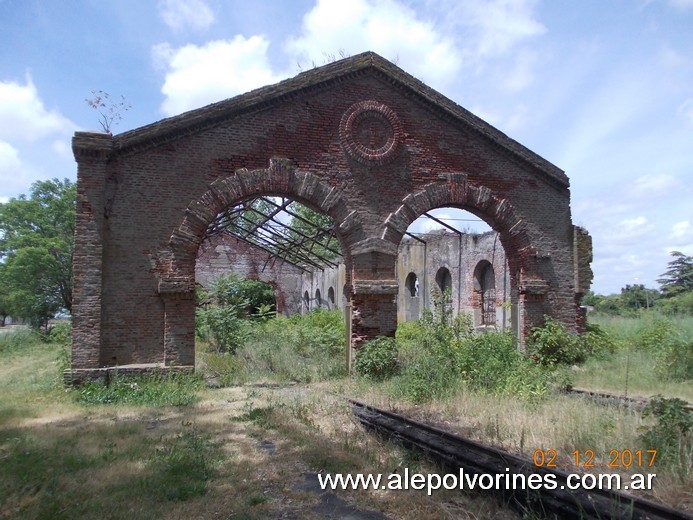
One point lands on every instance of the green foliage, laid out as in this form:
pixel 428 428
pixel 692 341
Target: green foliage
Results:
pixel 224 311
pixel 168 389
pixel 678 278
pixel 36 244
pixel 307 223
pixel 305 347
pixel 250 295
pixel 673 353
pixel 223 327
pixel 597 342
pixel 60 333
pixel 439 355
pixel 18 339
pixel 672 434
pixel 377 359
pixel 681 304
pixel 553 345
pixel 636 297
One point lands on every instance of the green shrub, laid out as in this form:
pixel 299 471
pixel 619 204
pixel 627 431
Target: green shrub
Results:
pixel 676 305
pixel 553 345
pixel 673 353
pixel 672 434
pixel 60 333
pixel 492 363
pixel 429 376
pixel 437 358
pixel 169 389
pixel 377 359
pixel 227 307
pixel 222 327
pixel 597 342
pixel 304 347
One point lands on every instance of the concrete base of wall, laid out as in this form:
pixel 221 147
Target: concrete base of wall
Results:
pixel 105 375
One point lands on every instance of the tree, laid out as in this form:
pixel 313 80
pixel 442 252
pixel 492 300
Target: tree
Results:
pixel 36 246
pixel 678 278
pixel 638 297
pixel 311 223
pixel 4 297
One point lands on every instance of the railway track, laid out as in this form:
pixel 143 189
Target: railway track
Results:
pixel 454 452
pixel 613 399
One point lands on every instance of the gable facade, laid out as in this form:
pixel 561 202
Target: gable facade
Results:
pixel 359 140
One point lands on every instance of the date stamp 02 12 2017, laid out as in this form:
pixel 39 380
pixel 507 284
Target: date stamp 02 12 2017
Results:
pixel 586 459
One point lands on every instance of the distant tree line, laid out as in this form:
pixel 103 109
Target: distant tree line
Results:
pixel 674 297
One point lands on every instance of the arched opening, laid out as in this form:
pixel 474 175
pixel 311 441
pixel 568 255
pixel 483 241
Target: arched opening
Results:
pixel 330 298
pixel 485 294
pixel 445 246
pixel 306 302
pixel 443 280
pixel 412 285
pixel 318 299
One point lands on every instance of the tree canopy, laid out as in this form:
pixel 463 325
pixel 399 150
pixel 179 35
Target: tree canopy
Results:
pixel 678 278
pixel 36 246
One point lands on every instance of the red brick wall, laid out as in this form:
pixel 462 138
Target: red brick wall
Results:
pixel 153 191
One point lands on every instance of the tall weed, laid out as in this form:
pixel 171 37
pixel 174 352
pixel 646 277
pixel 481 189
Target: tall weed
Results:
pixel 673 352
pixel 306 347
pixel 151 390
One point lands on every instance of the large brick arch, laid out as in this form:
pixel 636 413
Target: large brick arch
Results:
pixel 281 178
pixel 176 285
pixel 528 285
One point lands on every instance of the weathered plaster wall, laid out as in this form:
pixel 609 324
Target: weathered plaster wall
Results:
pixel 222 254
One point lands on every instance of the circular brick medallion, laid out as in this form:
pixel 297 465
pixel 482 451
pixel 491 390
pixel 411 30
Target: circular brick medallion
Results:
pixel 370 132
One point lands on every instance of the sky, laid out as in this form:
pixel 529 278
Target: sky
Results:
pixel 601 88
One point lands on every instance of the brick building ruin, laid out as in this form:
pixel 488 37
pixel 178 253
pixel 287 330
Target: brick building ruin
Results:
pixel 359 140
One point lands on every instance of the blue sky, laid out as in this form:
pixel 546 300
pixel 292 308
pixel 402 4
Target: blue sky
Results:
pixel 601 88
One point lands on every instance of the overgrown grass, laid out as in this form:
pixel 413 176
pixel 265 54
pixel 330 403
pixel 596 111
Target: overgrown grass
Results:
pixel 303 348
pixel 627 372
pixel 18 338
pixel 168 389
pixel 653 355
pixel 439 357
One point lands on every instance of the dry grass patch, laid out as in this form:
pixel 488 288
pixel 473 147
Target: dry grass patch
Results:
pixel 562 423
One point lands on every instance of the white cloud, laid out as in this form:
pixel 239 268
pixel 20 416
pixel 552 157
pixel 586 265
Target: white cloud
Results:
pixel 220 69
pixel 681 229
pixel 15 176
pixel 682 4
pixel 9 160
pixel 628 229
pixel 653 185
pixel 182 14
pixel 63 148
pixel 23 115
pixel 383 26
pixel 498 25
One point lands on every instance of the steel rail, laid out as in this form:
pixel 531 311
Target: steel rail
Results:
pixel 614 399
pixel 454 453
